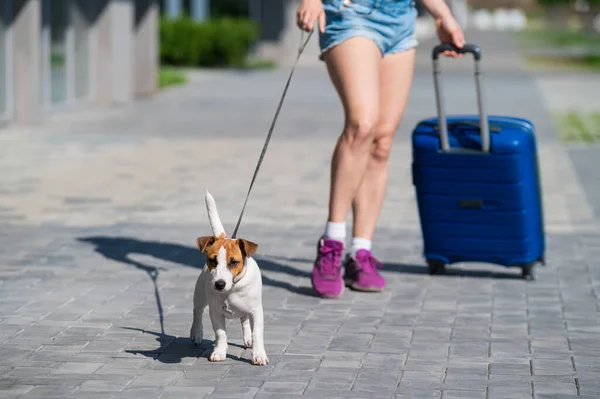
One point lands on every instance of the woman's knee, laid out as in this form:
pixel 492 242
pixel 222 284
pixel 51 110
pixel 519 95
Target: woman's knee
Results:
pixel 382 147
pixel 360 131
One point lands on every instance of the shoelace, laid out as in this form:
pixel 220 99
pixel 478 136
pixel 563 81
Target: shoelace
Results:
pixel 368 263
pixel 329 260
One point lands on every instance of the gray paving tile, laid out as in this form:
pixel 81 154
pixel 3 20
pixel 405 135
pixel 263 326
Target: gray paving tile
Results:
pixel 418 394
pixel 520 390
pixel 186 393
pixel 460 394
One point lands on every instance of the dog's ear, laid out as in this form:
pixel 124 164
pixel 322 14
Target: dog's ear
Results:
pixel 205 242
pixel 248 248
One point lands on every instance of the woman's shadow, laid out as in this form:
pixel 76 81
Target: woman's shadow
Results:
pixel 172 349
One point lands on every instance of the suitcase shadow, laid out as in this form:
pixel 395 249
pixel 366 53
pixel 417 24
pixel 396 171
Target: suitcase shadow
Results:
pixel 471 270
pixel 458 270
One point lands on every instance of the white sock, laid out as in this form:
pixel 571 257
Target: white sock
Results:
pixel 360 243
pixel 335 231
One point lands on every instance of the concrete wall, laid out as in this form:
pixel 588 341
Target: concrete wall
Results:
pixel 123 55
pixel 146 47
pixel 114 61
pixel 27 88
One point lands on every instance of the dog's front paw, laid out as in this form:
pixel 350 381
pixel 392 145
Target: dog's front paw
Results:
pixel 218 355
pixel 259 358
pixel 248 342
pixel 196 335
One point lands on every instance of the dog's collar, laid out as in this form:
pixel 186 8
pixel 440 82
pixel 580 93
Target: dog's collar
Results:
pixel 241 275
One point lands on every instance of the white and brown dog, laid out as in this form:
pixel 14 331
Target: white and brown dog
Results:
pixel 231 285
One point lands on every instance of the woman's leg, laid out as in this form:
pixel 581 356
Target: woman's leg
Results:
pixel 396 74
pixel 354 67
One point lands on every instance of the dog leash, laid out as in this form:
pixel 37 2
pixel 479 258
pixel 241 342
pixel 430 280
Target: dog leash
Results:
pixel 303 44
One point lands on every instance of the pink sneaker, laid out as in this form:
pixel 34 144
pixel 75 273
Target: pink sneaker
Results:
pixel 327 272
pixel 361 272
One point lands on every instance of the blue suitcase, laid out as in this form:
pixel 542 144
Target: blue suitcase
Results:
pixel 477 185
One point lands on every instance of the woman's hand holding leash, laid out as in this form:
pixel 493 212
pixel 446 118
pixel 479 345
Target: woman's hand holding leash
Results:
pixel 308 12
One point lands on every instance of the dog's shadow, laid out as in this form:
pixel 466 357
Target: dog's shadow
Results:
pixel 173 349
pixel 119 249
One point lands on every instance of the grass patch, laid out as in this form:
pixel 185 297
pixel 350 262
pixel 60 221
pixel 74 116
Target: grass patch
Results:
pixel 558 38
pixel 578 127
pixel 563 49
pixel 589 62
pixel 259 63
pixel 168 76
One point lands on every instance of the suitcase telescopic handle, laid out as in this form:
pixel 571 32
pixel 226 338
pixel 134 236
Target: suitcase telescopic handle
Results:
pixel 439 95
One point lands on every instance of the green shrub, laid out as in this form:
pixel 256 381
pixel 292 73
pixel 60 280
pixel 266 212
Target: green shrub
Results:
pixel 230 8
pixel 554 2
pixel 218 42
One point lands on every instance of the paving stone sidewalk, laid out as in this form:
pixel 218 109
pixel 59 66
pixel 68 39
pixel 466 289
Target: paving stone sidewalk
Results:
pixel 99 212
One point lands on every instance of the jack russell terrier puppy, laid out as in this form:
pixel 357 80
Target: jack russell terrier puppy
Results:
pixel 231 285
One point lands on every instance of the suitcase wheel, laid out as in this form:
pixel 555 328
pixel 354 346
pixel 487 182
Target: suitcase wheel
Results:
pixel 435 266
pixel 527 271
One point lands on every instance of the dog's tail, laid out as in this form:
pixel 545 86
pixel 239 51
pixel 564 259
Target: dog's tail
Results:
pixel 213 215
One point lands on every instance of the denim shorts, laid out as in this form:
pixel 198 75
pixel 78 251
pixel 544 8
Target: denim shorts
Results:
pixel 389 23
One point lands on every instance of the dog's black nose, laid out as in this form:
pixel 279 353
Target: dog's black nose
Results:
pixel 220 284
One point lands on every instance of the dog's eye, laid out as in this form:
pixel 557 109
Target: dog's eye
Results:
pixel 213 260
pixel 234 262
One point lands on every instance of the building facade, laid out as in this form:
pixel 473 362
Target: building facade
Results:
pixel 57 54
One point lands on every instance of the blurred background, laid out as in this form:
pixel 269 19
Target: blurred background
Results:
pixel 65 54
